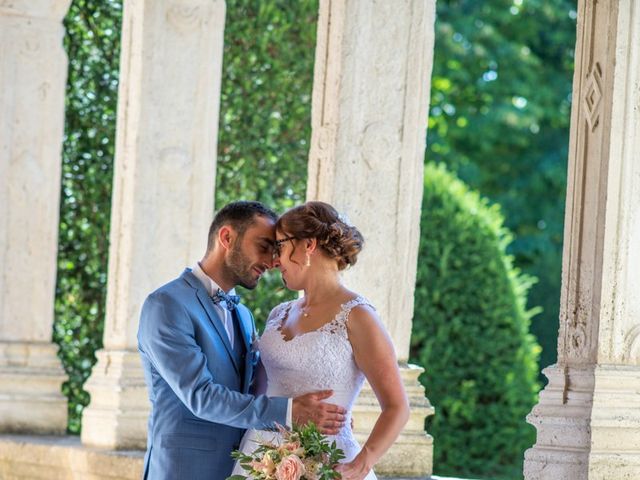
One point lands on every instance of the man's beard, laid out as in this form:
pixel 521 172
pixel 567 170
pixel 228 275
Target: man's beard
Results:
pixel 239 268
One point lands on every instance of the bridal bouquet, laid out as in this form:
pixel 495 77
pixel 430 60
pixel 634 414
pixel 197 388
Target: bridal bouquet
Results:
pixel 300 454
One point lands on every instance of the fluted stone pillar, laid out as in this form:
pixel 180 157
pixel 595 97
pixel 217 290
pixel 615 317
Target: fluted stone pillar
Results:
pixel 33 71
pixel 163 192
pixel 370 107
pixel 588 416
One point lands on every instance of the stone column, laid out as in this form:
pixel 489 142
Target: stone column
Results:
pixel 163 194
pixel 370 107
pixel 588 416
pixel 33 71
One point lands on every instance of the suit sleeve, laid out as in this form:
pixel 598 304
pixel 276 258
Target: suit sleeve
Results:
pixel 166 338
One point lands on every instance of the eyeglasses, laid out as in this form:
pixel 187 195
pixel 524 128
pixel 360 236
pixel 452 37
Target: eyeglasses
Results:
pixel 277 245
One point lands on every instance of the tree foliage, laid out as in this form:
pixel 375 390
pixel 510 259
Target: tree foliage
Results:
pixel 500 109
pixel 471 333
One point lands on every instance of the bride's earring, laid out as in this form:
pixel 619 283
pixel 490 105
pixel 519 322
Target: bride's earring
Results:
pixel 308 262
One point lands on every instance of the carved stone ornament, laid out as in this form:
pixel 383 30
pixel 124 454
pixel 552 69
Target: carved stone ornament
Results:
pixel 380 142
pixel 593 97
pixel 190 17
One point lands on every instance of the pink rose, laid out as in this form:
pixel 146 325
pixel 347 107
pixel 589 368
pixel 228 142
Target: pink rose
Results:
pixel 290 468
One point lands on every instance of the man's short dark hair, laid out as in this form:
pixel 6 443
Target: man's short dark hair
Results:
pixel 239 215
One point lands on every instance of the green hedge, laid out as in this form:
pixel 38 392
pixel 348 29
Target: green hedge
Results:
pixel 92 42
pixel 470 333
pixel 265 128
pixel 499 119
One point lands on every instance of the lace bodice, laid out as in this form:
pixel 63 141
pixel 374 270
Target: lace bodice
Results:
pixel 318 360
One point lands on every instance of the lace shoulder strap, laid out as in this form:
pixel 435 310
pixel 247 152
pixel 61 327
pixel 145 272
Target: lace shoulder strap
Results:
pixel 351 304
pixel 340 322
pixel 278 312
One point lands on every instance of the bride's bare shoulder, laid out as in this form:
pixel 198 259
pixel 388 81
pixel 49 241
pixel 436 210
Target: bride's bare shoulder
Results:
pixel 363 315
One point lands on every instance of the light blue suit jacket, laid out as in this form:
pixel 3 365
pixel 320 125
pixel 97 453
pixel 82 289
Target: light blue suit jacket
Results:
pixel 200 406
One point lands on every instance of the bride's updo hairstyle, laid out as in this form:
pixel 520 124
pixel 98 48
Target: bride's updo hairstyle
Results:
pixel 321 221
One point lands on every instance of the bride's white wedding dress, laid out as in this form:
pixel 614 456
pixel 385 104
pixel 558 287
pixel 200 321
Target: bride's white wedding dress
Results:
pixel 318 360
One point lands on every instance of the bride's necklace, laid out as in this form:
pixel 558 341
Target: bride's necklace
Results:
pixel 306 309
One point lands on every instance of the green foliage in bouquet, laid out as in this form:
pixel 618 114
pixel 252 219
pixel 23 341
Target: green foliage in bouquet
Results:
pixel 471 333
pixel 307 450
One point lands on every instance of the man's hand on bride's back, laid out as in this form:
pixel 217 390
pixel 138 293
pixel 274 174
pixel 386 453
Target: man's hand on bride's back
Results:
pixel 328 417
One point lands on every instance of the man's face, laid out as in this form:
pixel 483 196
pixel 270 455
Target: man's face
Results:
pixel 252 253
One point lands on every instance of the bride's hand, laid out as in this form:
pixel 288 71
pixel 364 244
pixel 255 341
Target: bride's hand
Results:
pixel 357 469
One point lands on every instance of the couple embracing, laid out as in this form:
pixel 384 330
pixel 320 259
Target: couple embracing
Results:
pixel 214 385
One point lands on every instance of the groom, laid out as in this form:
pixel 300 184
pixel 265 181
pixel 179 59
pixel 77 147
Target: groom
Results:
pixel 195 342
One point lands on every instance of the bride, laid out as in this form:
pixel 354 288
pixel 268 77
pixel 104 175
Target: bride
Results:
pixel 329 339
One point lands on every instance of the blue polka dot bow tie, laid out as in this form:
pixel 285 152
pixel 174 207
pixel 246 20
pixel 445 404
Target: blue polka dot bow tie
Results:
pixel 230 300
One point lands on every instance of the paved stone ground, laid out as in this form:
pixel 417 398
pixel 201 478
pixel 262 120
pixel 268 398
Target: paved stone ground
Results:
pixel 51 454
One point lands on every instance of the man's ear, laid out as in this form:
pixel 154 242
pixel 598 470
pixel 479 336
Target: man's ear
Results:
pixel 226 236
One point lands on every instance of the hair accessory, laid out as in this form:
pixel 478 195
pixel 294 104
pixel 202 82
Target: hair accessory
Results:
pixel 344 219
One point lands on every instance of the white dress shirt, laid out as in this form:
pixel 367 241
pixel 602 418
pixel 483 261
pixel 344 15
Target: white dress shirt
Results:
pixel 212 287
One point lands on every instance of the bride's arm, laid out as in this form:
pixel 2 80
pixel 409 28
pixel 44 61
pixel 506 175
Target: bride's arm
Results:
pixel 375 356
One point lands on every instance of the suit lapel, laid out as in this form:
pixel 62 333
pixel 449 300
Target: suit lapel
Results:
pixel 215 319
